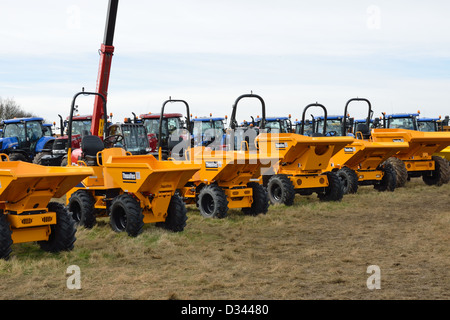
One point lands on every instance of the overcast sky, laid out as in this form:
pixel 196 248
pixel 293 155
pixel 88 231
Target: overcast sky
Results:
pixel 209 52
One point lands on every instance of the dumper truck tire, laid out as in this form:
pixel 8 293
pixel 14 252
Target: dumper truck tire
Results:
pixel 126 215
pixel 400 170
pixel 260 204
pixel 62 236
pixel 176 215
pixel 389 180
pixel 349 180
pixel 334 191
pixel 280 190
pixel 212 202
pixel 5 237
pixel 440 175
pixel 81 205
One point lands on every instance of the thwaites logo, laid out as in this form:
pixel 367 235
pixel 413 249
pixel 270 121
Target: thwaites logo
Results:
pixel 212 164
pixel 397 140
pixel 130 176
pixel 281 145
pixel 349 149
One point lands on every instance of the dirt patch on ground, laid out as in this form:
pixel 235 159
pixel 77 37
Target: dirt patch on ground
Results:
pixel 311 250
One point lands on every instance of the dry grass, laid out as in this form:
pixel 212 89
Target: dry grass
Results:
pixel 311 250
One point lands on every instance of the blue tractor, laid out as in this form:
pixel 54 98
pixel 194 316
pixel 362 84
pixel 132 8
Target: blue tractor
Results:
pixel 26 139
pixel 209 132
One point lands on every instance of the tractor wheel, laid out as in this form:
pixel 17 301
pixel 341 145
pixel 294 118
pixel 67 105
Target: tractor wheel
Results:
pixel 281 190
pixel 334 191
pixel 176 215
pixel 62 236
pixel 5 237
pixel 15 156
pixel 260 202
pixel 81 205
pixel 38 157
pixel 126 215
pixel 400 170
pixel 64 161
pixel 212 202
pixel 389 180
pixel 440 175
pixel 349 180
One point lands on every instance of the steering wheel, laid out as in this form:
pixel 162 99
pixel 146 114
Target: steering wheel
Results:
pixel 111 140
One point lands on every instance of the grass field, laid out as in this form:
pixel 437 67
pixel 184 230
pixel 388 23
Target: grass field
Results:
pixel 311 250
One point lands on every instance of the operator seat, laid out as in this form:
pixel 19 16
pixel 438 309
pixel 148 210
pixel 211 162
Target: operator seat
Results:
pixel 364 129
pixel 90 146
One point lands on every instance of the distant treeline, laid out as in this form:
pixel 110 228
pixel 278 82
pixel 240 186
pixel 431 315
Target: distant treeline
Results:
pixel 9 109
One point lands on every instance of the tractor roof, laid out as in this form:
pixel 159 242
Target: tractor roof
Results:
pixel 82 117
pixel 18 120
pixel 362 120
pixel 205 119
pixel 275 118
pixel 157 115
pixel 428 119
pixel 402 115
pixel 333 117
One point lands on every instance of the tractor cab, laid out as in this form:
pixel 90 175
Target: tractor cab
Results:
pixel 171 122
pixel 401 121
pixel 47 127
pixel 334 125
pixel 308 127
pixel 428 124
pixel 275 124
pixel 170 133
pixel 130 136
pixel 24 138
pixel 209 132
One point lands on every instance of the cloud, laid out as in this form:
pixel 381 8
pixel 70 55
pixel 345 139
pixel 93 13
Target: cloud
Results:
pixel 209 52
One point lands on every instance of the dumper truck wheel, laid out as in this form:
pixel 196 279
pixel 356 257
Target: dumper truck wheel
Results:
pixel 280 190
pixel 440 175
pixel 334 191
pixel 260 202
pixel 176 215
pixel 212 202
pixel 81 205
pixel 5 237
pixel 62 236
pixel 400 170
pixel 389 180
pixel 126 215
pixel 349 180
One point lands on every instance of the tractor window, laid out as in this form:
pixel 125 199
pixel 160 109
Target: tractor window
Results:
pixel 152 125
pixel 333 127
pixel 81 127
pixel 308 128
pixel 34 130
pixel 15 130
pixel 401 123
pixel 273 127
pixel 135 139
pixel 428 126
